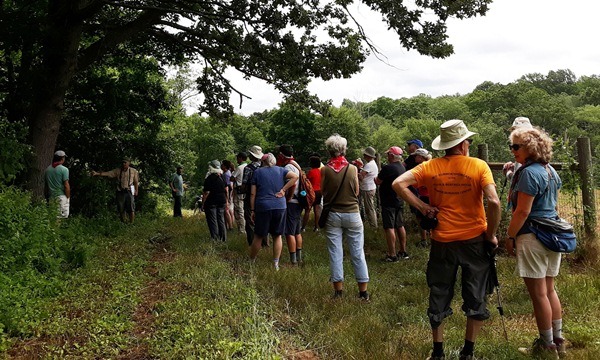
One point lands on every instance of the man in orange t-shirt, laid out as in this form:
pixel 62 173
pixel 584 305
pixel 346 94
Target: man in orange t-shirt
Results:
pixel 457 185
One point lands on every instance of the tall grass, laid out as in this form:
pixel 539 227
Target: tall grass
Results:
pixel 163 289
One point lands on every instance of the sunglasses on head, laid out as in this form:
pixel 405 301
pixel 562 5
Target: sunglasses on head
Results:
pixel 514 147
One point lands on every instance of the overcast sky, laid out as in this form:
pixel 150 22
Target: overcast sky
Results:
pixel 516 37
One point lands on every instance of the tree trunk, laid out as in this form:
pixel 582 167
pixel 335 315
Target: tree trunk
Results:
pixel 59 66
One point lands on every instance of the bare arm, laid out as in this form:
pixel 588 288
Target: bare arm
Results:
pixel 400 186
pixel 67 189
pixel 292 179
pixel 494 212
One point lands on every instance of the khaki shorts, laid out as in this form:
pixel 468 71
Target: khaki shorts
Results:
pixel 534 260
pixel 63 206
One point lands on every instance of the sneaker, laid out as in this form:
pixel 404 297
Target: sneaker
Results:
pixel 338 294
pixel 364 297
pixel 403 255
pixel 391 259
pixel 539 350
pixel 277 267
pixel 561 347
pixel 443 357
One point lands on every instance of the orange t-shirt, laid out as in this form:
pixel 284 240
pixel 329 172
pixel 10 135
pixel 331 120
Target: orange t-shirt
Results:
pixel 455 185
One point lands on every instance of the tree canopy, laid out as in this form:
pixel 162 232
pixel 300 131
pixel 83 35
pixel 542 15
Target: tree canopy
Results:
pixel 45 44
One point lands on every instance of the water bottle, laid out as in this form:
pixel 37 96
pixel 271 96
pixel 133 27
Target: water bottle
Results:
pixel 303 193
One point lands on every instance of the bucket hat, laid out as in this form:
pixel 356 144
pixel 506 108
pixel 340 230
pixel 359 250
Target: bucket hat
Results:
pixel 452 133
pixel 256 151
pixel 370 152
pixel 521 122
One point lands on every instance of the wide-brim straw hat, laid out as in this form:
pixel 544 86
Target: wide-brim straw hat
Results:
pixel 452 133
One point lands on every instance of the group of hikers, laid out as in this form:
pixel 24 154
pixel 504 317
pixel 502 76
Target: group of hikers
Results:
pixel 453 196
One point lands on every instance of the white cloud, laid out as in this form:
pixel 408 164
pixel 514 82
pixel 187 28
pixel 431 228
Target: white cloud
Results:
pixel 515 38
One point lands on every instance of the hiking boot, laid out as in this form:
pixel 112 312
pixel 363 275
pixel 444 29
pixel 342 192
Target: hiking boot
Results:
pixel 541 351
pixel 561 347
pixel 364 296
pixel 442 357
pixel 391 259
pixel 337 294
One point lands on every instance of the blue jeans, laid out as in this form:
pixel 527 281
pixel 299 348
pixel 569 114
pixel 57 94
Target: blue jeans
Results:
pixel 352 225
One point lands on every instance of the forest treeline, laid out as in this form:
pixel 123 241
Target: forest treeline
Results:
pixel 130 108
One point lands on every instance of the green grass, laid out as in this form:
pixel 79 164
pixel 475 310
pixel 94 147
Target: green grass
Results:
pixel 162 289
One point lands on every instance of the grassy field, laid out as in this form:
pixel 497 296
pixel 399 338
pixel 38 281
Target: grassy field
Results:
pixel 162 289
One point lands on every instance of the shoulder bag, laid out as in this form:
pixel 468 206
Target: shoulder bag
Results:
pixel 327 208
pixel 555 234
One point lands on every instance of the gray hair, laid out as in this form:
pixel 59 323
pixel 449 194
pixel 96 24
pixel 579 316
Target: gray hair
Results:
pixel 396 158
pixel 336 145
pixel 269 160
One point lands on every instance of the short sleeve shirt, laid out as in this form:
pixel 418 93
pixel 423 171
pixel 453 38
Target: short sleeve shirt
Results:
pixel 314 176
pixel 125 178
pixel 268 181
pixel 534 180
pixel 294 169
pixel 55 179
pixel 455 185
pixel 238 174
pixel 177 181
pixel 387 195
pixel 215 184
pixel 370 172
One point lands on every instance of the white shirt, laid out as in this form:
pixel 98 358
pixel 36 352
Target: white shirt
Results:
pixel 370 171
pixel 295 170
pixel 238 174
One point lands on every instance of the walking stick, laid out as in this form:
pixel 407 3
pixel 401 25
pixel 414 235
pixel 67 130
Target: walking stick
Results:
pixel 495 283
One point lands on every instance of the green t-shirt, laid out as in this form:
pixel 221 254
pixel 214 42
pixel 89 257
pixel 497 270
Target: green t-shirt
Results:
pixel 178 183
pixel 55 179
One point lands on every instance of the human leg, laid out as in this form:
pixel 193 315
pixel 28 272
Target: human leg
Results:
pixel 334 234
pixel 238 207
pixel 369 205
pixel 176 205
pixel 542 308
pixel 211 221
pixel 354 229
pixel 222 228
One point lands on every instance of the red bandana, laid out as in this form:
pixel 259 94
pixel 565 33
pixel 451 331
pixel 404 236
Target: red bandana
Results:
pixel 55 164
pixel 337 163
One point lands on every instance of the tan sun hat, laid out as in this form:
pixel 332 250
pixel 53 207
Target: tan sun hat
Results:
pixel 256 151
pixel 452 133
pixel 370 152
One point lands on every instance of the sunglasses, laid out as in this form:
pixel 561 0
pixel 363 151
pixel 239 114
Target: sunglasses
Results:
pixel 514 147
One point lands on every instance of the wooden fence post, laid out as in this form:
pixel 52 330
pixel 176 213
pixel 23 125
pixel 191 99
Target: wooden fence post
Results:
pixel 588 194
pixel 482 152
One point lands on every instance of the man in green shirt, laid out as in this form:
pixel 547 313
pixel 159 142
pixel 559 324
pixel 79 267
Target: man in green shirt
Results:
pixel 57 183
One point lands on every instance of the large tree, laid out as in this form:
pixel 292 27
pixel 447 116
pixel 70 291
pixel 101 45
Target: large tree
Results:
pixel 45 43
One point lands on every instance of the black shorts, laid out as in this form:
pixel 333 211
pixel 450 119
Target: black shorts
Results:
pixel 293 219
pixel 392 217
pixel 442 268
pixel 269 222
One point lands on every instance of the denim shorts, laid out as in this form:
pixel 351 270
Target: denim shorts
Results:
pixel 392 217
pixel 269 222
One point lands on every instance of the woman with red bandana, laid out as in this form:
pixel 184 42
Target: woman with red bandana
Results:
pixel 339 186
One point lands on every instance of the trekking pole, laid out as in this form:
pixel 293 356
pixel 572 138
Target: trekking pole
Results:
pixel 499 307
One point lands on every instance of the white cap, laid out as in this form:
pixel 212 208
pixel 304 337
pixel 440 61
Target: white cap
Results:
pixel 60 153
